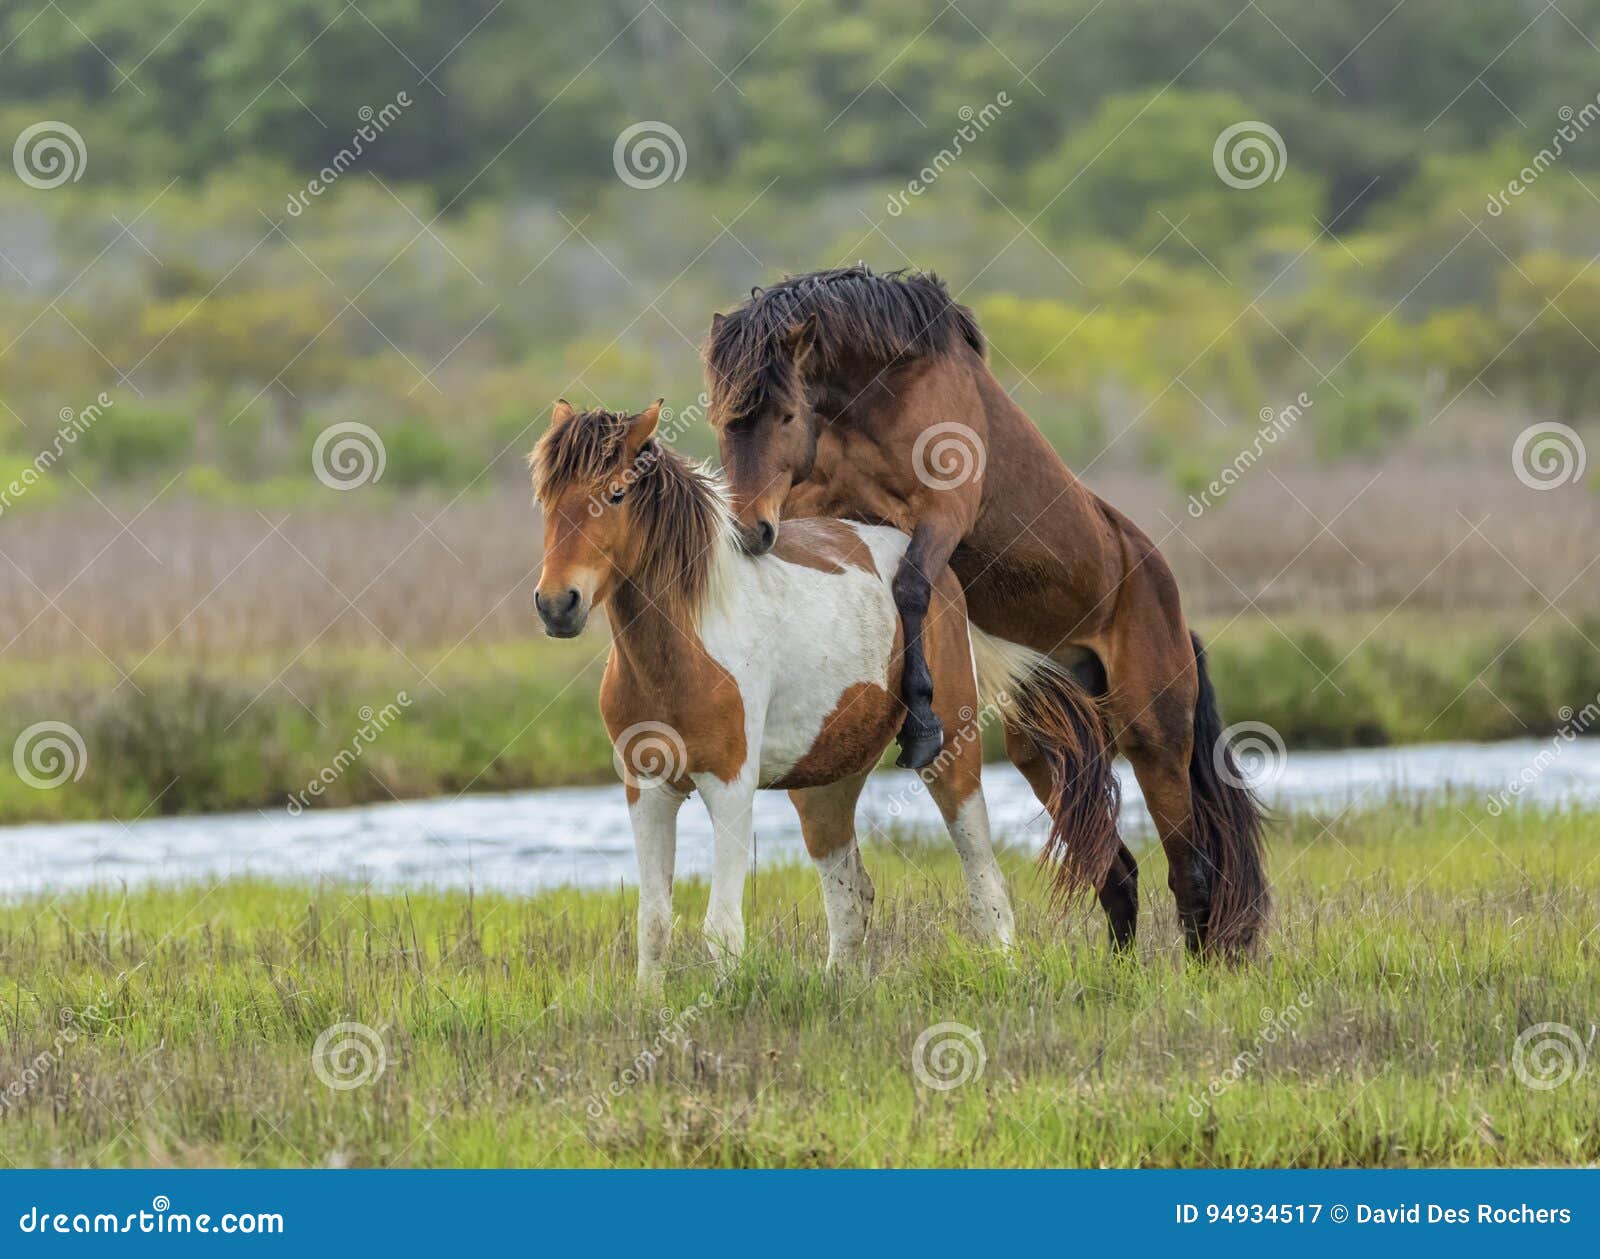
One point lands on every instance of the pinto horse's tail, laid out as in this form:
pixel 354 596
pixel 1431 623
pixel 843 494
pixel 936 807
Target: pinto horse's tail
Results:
pixel 1228 826
pixel 1035 694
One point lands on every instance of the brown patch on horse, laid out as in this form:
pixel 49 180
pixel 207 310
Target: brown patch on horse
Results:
pixel 829 546
pixel 657 676
pixel 852 738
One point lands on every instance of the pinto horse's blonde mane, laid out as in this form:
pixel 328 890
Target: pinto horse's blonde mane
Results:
pixel 678 509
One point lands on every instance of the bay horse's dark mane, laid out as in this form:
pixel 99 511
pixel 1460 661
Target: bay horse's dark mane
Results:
pixel 882 318
pixel 678 509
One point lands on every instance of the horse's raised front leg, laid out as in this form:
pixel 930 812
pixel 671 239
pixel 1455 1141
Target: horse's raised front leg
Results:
pixel 730 806
pixel 654 814
pixel 922 735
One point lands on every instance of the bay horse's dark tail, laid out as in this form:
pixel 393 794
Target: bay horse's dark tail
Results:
pixel 1228 824
pixel 1039 697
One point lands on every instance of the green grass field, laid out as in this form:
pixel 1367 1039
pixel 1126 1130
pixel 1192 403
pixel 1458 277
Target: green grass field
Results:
pixel 1413 944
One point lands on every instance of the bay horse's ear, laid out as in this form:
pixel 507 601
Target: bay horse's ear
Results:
pixel 643 427
pixel 560 413
pixel 802 338
pixel 717 320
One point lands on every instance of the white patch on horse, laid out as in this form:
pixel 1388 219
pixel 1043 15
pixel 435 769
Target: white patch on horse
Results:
pixel 795 639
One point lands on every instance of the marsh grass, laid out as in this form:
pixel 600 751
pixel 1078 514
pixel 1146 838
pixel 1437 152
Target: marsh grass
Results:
pixel 1414 942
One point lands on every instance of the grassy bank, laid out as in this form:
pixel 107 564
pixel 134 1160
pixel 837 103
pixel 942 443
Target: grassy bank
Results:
pixel 1411 949
pixel 189 734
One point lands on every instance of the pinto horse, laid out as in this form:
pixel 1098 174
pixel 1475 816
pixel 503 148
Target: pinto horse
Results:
pixel 848 394
pixel 730 673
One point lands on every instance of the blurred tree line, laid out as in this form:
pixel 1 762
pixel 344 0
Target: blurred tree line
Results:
pixel 482 255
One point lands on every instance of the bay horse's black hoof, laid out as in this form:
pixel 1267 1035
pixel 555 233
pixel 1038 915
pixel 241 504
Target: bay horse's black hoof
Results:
pixel 920 739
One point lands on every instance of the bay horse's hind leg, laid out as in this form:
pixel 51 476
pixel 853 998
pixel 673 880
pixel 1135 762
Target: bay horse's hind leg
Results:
pixel 1165 720
pixel 1119 894
pixel 828 823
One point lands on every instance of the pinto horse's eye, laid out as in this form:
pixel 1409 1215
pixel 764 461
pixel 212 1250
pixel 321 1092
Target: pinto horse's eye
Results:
pixel 617 494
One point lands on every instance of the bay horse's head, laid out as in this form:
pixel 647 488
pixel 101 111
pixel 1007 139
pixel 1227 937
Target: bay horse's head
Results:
pixel 584 470
pixel 764 419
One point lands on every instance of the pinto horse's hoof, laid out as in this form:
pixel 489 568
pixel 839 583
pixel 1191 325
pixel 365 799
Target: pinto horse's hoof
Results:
pixel 920 741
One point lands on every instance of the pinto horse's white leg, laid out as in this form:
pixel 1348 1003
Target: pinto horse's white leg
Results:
pixel 968 824
pixel 731 827
pixel 828 822
pixel 655 840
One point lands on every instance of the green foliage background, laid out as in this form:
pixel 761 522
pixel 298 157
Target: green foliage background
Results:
pixel 482 256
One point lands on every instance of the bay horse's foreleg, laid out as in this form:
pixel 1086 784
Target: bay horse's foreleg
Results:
pixel 730 806
pixel 654 814
pixel 1119 894
pixel 922 735
pixel 828 822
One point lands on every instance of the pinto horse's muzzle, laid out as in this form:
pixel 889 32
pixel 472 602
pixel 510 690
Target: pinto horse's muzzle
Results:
pixel 563 614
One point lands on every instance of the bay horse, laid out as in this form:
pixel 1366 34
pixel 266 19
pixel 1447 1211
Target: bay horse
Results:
pixel 730 673
pixel 844 393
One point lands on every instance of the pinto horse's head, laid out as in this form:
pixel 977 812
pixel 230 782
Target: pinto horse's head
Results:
pixel 584 470
pixel 765 423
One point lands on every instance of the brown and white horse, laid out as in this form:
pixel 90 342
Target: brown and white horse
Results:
pixel 844 393
pixel 730 673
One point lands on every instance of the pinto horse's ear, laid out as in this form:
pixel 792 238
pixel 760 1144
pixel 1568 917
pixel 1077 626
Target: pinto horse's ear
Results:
pixel 643 427
pixel 560 413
